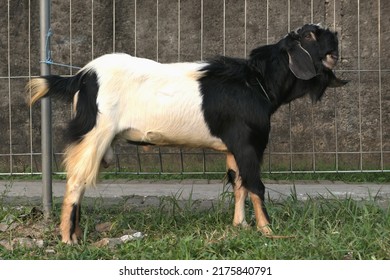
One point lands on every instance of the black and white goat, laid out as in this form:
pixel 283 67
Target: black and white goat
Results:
pixel 224 104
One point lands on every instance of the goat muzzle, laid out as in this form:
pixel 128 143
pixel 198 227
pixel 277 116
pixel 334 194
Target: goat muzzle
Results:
pixel 330 61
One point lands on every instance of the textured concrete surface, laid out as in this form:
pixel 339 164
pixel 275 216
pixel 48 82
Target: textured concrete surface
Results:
pixel 149 192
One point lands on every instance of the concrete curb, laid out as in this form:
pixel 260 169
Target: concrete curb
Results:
pixel 199 189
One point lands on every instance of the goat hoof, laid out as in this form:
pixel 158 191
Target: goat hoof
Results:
pixel 242 224
pixel 72 240
pixel 266 230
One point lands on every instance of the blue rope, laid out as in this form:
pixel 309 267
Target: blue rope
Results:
pixel 49 60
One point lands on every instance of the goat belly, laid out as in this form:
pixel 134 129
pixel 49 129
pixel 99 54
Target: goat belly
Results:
pixel 171 117
pixel 185 140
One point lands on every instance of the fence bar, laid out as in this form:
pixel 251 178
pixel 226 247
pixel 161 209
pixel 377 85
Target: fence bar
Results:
pixel 47 199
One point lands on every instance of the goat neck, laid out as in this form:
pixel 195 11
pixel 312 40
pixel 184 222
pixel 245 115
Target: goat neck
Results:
pixel 271 68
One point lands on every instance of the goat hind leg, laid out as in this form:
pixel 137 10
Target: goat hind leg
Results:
pixel 71 212
pixel 82 161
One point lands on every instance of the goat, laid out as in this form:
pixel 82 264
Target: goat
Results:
pixel 223 103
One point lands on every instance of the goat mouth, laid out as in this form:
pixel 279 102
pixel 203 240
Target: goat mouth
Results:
pixel 330 61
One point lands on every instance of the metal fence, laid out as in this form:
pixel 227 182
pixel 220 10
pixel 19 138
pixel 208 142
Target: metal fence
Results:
pixel 347 132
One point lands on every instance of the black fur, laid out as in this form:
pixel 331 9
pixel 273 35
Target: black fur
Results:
pixel 138 143
pixel 231 176
pixel 86 110
pixel 240 95
pixel 66 87
pixel 238 113
pixel 73 219
pixel 63 87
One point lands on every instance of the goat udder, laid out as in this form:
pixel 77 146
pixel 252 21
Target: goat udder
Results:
pixel 108 157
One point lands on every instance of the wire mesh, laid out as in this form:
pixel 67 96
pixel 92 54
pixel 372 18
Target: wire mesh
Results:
pixel 346 132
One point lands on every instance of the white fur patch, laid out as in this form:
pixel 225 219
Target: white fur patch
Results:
pixel 153 102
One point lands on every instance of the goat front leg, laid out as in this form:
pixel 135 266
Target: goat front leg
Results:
pixel 240 193
pixel 261 215
pixel 248 162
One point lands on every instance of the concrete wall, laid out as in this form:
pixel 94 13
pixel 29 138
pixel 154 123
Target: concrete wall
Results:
pixel 348 130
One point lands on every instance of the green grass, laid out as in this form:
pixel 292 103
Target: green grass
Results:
pixel 322 229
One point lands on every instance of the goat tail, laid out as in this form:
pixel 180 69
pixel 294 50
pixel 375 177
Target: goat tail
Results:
pixel 53 85
pixel 81 88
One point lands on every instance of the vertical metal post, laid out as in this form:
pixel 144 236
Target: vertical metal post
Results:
pixel 47 199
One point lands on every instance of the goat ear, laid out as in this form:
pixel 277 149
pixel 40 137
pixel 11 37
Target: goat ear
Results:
pixel 335 82
pixel 300 62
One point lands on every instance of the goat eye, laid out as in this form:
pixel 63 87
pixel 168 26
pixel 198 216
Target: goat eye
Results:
pixel 308 36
